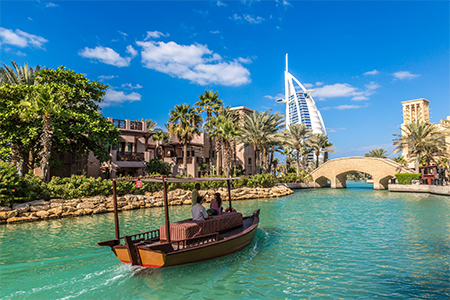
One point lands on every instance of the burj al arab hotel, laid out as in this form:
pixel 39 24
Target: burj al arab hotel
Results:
pixel 300 106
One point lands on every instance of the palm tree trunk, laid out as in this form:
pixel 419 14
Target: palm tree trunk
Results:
pixel 417 162
pixel 271 158
pixel 185 158
pixel 257 162
pixel 317 159
pixel 227 154
pixel 14 154
pixel 297 162
pixel 46 141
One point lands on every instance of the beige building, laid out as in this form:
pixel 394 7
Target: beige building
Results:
pixel 418 110
pixel 137 147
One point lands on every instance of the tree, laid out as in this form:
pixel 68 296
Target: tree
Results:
pixel 80 130
pixel 210 103
pixel 377 152
pixel 160 138
pixel 185 122
pixel 319 142
pixel 258 130
pixel 400 159
pixel 228 131
pixel 47 104
pixel 417 138
pixel 16 75
pixel 294 137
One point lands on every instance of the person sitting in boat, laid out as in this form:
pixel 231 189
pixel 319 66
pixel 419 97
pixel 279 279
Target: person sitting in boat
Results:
pixel 198 210
pixel 195 194
pixel 216 205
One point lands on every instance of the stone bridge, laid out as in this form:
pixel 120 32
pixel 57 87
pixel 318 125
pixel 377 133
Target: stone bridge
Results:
pixel 336 171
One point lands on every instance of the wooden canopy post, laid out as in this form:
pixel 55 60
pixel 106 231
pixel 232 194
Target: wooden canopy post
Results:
pixel 166 208
pixel 116 216
pixel 229 194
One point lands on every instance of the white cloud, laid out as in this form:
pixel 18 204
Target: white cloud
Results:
pixel 344 107
pixel 154 35
pixel 109 56
pixel 220 3
pixel 404 75
pixel 215 32
pixel 332 130
pixel 106 77
pixel 318 83
pixel 276 97
pixel 284 2
pixel 115 98
pixel 374 72
pixel 50 4
pixel 203 13
pixel 244 60
pixel 253 20
pixel 308 85
pixel 345 90
pixel 21 39
pixel 248 18
pixel 122 33
pixel 193 62
pixel 131 87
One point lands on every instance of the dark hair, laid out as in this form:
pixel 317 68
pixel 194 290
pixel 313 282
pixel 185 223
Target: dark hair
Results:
pixel 219 200
pixel 199 199
pixel 197 184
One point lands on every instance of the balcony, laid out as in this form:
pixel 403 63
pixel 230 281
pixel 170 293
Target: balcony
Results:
pixel 136 125
pixel 119 123
pixel 130 156
pixel 180 160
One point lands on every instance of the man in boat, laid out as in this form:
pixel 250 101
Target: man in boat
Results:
pixel 195 194
pixel 199 211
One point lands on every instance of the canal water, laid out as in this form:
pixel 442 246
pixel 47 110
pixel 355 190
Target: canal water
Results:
pixel 318 244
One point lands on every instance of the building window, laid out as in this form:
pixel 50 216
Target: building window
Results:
pixel 129 147
pixel 249 160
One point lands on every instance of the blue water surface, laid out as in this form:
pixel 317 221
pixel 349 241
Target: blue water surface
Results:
pixel 314 244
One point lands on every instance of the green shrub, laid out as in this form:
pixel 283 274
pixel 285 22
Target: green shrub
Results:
pixel 34 188
pixel 157 165
pixel 405 178
pixel 10 183
pixel 262 180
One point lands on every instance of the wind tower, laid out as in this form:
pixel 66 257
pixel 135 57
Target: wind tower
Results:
pixel 300 105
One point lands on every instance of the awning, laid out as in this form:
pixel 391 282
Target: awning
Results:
pixel 129 164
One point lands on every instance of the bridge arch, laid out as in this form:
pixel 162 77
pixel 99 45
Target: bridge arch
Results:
pixel 336 171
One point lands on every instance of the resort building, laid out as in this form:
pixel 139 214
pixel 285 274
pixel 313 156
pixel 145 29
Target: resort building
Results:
pixel 418 110
pixel 136 147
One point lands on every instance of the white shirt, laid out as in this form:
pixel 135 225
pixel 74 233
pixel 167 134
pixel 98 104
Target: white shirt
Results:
pixel 199 212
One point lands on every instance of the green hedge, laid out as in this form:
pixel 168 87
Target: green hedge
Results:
pixel 405 178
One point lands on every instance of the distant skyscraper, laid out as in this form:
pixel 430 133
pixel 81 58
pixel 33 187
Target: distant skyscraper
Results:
pixel 300 106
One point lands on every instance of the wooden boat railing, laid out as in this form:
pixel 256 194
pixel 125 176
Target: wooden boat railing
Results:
pixel 139 237
pixel 196 241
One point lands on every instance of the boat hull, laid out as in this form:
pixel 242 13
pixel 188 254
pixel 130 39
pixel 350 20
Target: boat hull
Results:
pixel 157 259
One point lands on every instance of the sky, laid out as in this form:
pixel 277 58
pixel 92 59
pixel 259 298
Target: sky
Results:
pixel 362 58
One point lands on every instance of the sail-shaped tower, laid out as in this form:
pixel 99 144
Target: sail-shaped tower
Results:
pixel 300 106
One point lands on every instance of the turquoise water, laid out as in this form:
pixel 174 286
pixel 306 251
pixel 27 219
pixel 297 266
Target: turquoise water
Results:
pixel 322 243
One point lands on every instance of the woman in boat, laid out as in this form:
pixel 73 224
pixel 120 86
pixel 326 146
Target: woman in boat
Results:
pixel 216 205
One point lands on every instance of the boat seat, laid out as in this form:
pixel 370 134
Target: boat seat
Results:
pixel 188 228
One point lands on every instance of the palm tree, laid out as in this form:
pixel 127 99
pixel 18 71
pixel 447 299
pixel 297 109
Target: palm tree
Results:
pixel 210 103
pixel 400 159
pixel 13 76
pixel 18 75
pixel 304 153
pixel 419 137
pixel 377 152
pixel 295 137
pixel 185 122
pixel 288 152
pixel 319 142
pixel 160 138
pixel 259 130
pixel 46 104
pixel 228 131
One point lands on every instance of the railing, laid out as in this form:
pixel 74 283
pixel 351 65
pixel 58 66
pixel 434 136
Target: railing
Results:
pixel 136 125
pixel 196 241
pixel 136 238
pixel 119 123
pixel 130 156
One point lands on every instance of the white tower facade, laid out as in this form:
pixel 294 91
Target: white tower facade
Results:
pixel 300 105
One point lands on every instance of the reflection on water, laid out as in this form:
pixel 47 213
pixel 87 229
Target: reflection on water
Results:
pixel 347 243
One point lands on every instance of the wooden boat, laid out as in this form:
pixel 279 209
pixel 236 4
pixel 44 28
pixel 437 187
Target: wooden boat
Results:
pixel 185 241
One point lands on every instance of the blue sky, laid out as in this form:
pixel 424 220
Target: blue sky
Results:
pixel 363 58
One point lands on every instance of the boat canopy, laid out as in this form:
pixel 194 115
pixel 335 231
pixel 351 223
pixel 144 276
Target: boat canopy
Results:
pixel 171 179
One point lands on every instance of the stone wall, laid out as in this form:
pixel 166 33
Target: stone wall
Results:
pixel 60 208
